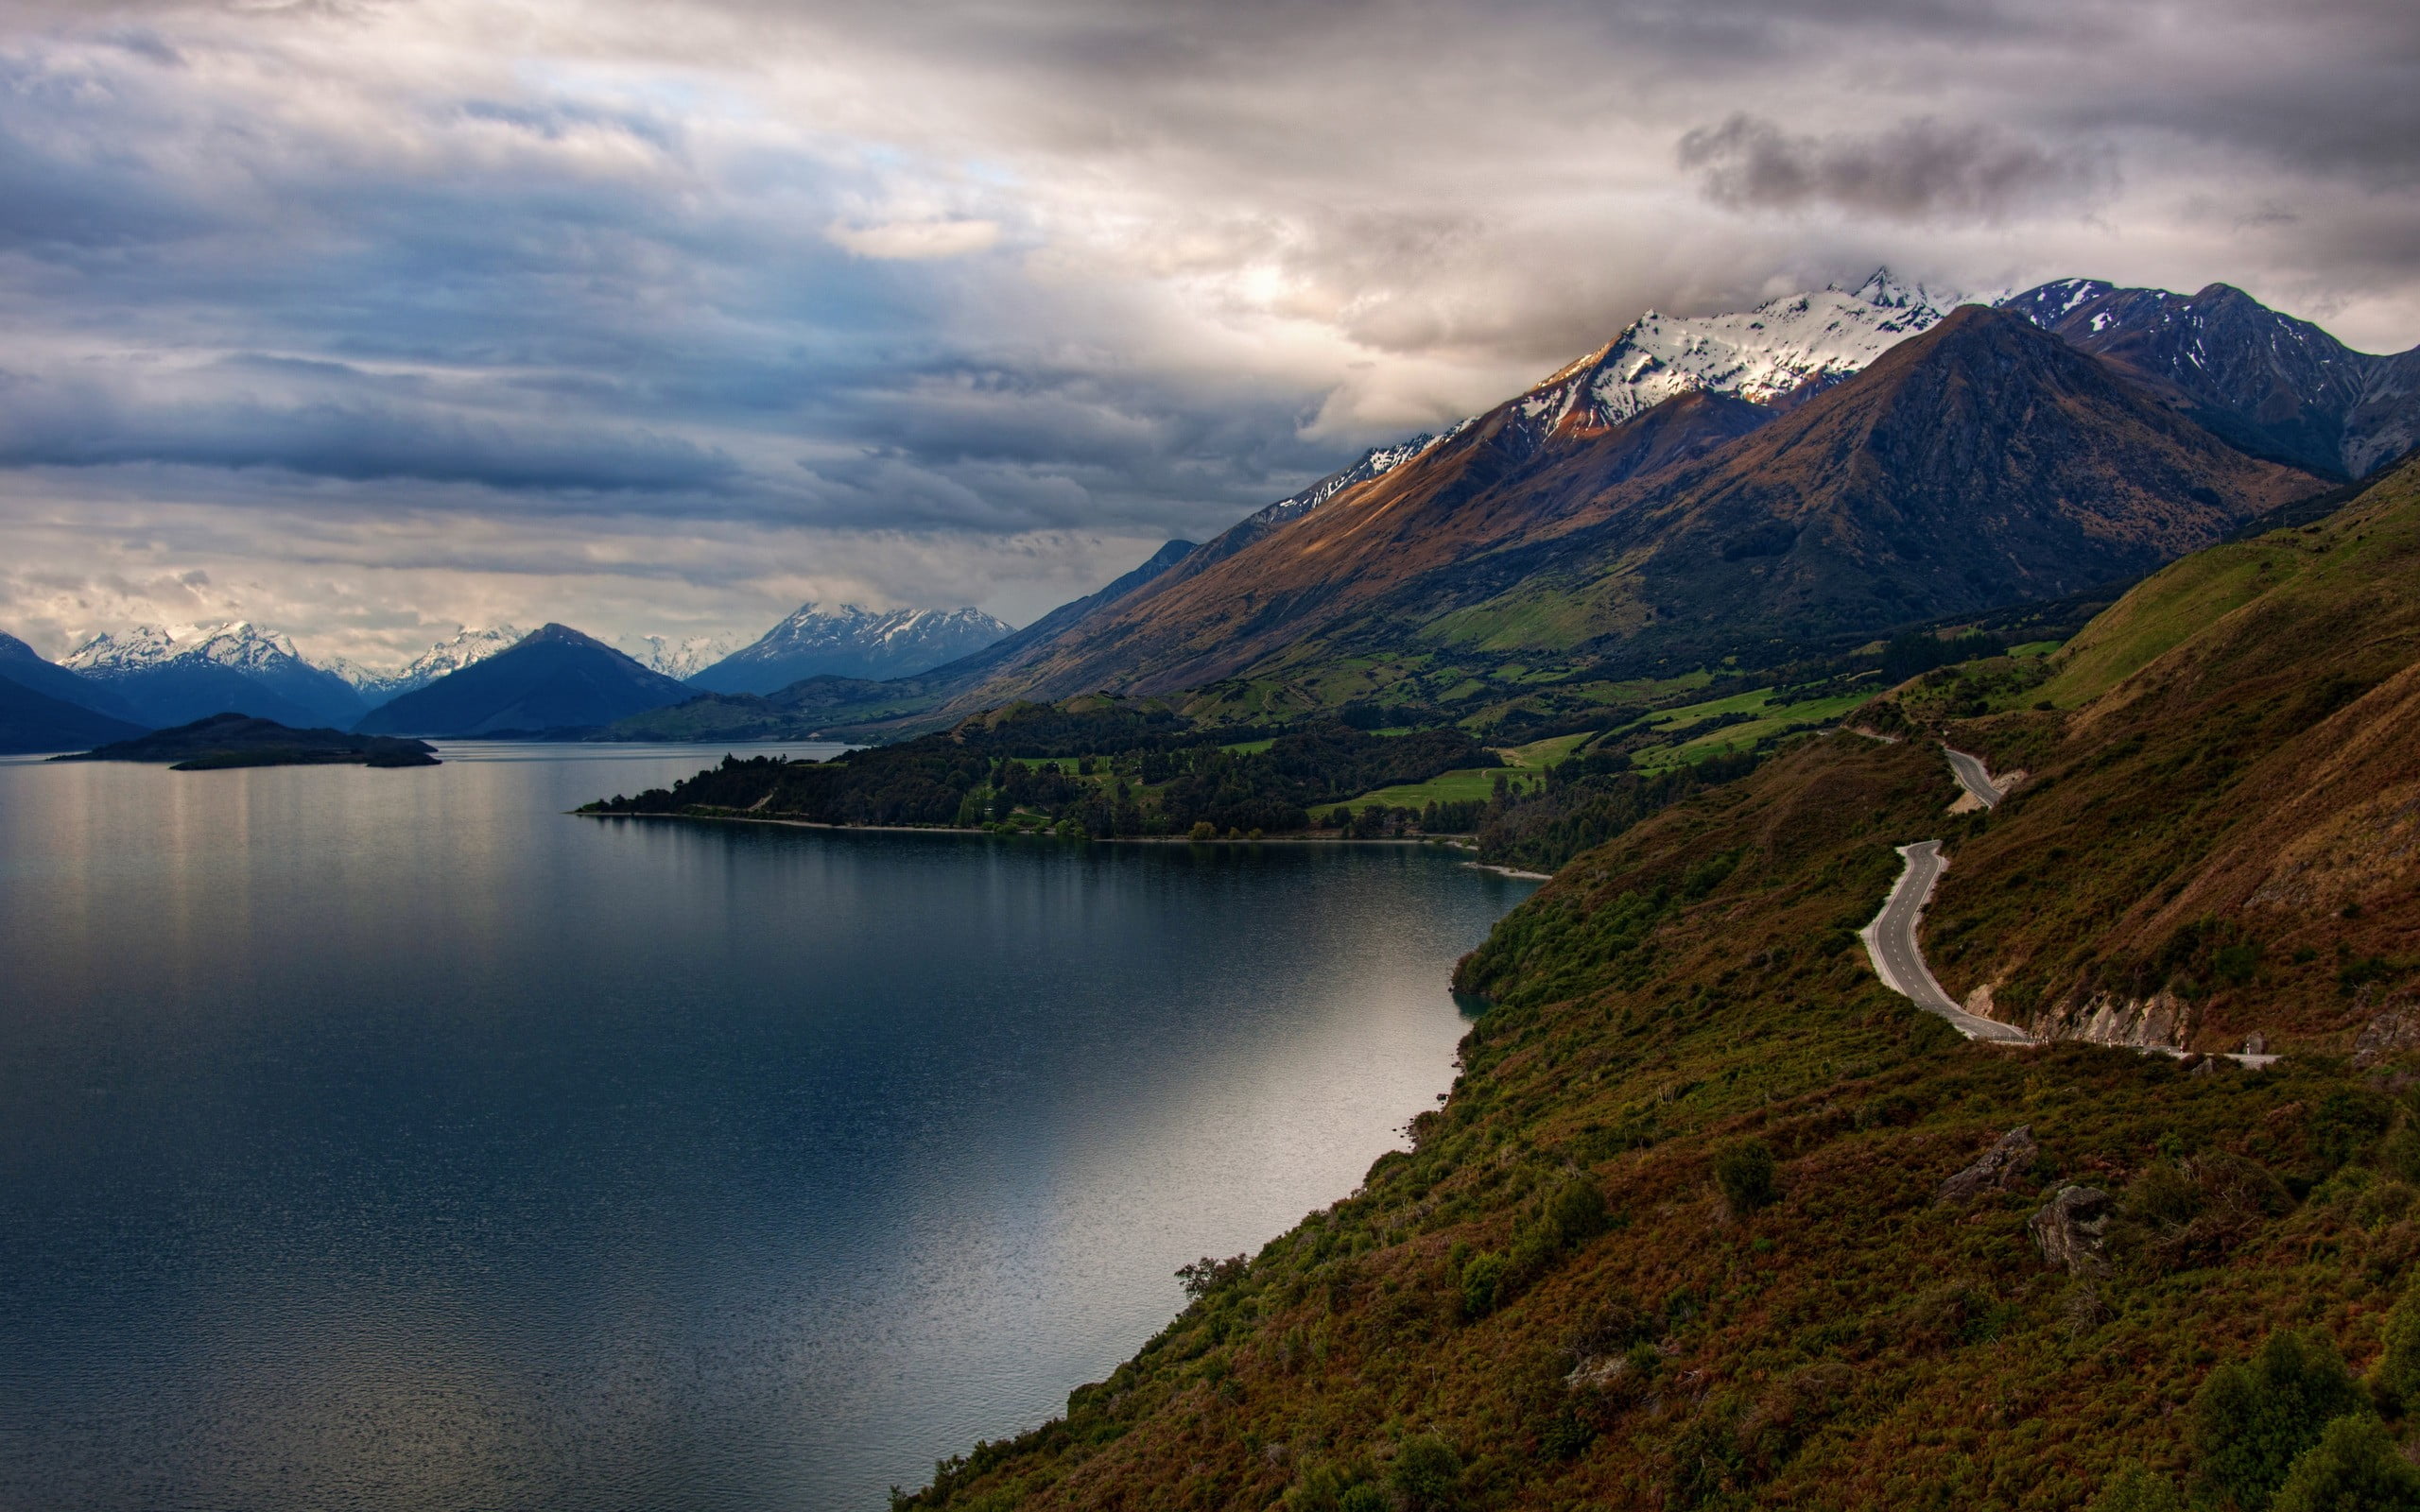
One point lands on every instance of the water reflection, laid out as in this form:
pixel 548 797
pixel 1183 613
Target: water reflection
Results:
pixel 389 1139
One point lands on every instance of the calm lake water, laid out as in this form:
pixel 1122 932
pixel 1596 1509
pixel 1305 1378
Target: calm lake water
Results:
pixel 391 1140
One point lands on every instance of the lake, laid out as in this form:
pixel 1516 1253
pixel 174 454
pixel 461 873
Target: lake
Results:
pixel 391 1139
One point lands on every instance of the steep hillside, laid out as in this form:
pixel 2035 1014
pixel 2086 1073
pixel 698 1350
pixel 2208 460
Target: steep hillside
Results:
pixel 2270 384
pixel 1013 649
pixel 1712 1220
pixel 553 678
pixel 2238 740
pixel 1977 465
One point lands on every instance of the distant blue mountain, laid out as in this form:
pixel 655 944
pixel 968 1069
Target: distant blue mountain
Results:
pixel 849 642
pixel 32 722
pixel 554 679
pixel 176 675
pixel 24 666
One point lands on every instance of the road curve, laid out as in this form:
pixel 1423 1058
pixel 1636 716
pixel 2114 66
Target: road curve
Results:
pixel 1891 944
pixel 1974 777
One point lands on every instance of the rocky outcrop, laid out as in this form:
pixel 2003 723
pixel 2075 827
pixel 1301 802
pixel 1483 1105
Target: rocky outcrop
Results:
pixel 2000 1168
pixel 2394 1029
pixel 2160 1022
pixel 2069 1229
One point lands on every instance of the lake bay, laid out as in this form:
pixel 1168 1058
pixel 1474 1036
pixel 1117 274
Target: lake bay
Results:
pixel 391 1139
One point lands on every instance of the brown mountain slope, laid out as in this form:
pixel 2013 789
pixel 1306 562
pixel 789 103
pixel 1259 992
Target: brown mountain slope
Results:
pixel 1984 463
pixel 2223 837
pixel 1493 484
pixel 1703 1225
pixel 1981 464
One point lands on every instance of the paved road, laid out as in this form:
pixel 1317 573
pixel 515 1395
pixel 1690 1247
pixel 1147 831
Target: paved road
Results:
pixel 1891 943
pixel 1974 777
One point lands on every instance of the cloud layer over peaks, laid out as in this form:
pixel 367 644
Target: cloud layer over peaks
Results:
pixel 658 318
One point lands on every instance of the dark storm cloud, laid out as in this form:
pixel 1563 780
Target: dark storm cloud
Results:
pixel 1918 169
pixel 982 275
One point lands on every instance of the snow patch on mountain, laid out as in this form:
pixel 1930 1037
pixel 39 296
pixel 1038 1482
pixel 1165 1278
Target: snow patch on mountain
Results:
pixel 811 626
pixel 235 643
pixel 1375 462
pixel 683 658
pixel 847 640
pixel 1762 355
pixel 473 644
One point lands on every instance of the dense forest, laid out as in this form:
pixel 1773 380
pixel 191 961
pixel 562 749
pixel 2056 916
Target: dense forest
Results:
pixel 1105 770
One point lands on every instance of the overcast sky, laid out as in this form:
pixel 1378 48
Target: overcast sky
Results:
pixel 367 319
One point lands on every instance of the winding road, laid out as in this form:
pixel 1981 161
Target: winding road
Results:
pixel 1890 940
pixel 1974 777
pixel 1891 944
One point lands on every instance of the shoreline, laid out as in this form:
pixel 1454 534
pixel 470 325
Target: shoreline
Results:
pixel 1442 842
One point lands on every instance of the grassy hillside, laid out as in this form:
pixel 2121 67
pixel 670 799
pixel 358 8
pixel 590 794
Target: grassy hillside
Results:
pixel 1680 1236
pixel 2221 835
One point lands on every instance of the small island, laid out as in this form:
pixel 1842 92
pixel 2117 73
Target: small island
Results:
pixel 240 740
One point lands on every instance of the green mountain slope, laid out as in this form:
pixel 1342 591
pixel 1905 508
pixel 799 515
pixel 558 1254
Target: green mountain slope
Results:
pixel 1686 1234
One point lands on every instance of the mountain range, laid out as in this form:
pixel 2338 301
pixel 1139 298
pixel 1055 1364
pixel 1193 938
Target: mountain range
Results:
pixel 173 675
pixel 1736 489
pixel 553 678
pixel 1788 480
pixel 1712 1217
pixel 445 657
pixel 154 677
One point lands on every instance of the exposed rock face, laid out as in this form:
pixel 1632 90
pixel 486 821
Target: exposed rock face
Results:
pixel 2160 1022
pixel 2068 1231
pixel 2001 1167
pixel 2394 1030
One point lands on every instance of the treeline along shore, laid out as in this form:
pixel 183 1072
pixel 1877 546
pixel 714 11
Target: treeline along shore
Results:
pixel 1107 769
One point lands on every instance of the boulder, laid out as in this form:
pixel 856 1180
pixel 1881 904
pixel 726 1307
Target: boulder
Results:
pixel 2068 1231
pixel 2000 1168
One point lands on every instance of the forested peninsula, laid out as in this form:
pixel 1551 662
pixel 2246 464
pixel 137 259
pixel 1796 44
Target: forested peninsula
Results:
pixel 1105 769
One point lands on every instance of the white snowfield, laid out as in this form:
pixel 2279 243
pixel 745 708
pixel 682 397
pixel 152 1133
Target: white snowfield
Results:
pixel 815 627
pixel 237 644
pixel 471 645
pixel 1761 355
pixel 684 658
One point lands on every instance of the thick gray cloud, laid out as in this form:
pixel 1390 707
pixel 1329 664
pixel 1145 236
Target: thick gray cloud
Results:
pixel 1920 169
pixel 369 315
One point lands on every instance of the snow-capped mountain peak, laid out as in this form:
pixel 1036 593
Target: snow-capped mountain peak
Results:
pixel 848 639
pixel 471 645
pixel 1762 355
pixel 681 658
pixel 236 643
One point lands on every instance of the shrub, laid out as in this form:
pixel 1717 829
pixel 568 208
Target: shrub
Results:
pixel 1206 1274
pixel 2133 1488
pixel 2252 1420
pixel 2396 1382
pixel 1744 1171
pixel 1331 1487
pixel 1202 830
pixel 1427 1473
pixel 2176 1214
pixel 1482 1277
pixel 1577 1210
pixel 2353 1468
